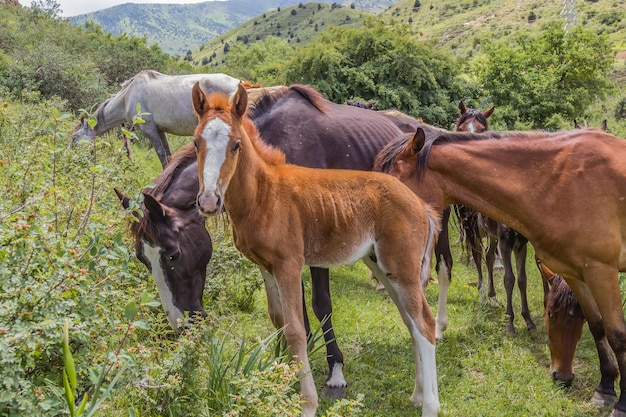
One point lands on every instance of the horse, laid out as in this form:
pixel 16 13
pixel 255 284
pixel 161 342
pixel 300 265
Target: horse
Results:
pixel 361 104
pixel 284 216
pixel 547 175
pixel 164 100
pixel 171 239
pixel 564 320
pixel 499 236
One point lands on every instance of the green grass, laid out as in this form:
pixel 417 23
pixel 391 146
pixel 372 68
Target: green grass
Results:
pixel 482 370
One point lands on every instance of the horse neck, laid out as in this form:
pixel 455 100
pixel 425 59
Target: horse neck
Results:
pixel 111 113
pixel 247 184
pixel 470 174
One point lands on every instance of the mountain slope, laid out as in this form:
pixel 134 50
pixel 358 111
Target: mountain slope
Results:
pixel 177 28
pixel 296 24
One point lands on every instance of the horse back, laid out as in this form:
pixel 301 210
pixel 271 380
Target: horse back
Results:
pixel 338 136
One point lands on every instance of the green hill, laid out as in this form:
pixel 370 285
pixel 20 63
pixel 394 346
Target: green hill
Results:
pixel 296 24
pixel 460 26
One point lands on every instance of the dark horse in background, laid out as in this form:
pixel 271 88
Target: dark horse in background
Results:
pixel 499 236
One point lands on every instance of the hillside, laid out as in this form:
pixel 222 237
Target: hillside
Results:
pixel 296 24
pixel 460 26
pixel 177 28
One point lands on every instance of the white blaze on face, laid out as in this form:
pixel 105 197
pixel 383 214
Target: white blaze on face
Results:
pixel 153 256
pixel 216 138
pixel 471 127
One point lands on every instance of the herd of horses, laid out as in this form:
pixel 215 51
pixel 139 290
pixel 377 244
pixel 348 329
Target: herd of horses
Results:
pixel 293 171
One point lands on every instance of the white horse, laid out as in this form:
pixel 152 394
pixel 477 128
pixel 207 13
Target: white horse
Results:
pixel 166 99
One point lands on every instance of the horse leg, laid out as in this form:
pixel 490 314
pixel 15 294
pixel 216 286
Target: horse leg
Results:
pixel 521 250
pixel 287 281
pixel 323 308
pixel 490 257
pixel 604 394
pixel 166 145
pixel 443 255
pixel 509 281
pixel 150 130
pixel 409 298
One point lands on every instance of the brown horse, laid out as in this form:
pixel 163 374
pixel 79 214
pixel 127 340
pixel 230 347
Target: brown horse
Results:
pixel 285 216
pixel 536 182
pixel 564 320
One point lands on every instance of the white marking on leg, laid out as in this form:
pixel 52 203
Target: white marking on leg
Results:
pixel 336 379
pixel 425 392
pixel 153 257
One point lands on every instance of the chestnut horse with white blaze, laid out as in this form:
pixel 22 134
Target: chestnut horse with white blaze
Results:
pixel 284 217
pixel 564 191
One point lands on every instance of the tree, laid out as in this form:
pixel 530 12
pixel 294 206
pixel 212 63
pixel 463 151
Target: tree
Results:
pixel 536 78
pixel 381 61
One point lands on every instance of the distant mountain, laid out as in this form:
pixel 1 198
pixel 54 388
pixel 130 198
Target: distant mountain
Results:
pixel 295 24
pixel 177 28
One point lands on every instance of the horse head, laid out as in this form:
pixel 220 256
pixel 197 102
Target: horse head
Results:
pixel 361 104
pixel 472 120
pixel 83 131
pixel 564 320
pixel 176 248
pixel 218 141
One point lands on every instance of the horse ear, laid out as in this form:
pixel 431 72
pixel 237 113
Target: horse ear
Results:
pixel 546 273
pixel 418 141
pixel 462 108
pixel 123 199
pixel 576 125
pixel 348 102
pixel 199 99
pixel 240 102
pixel 489 112
pixel 603 125
pixel 153 206
pixel 373 103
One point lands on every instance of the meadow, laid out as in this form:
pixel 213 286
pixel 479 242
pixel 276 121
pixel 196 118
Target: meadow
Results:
pixel 66 256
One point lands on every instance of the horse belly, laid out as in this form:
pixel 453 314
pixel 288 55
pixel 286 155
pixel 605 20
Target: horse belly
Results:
pixel 340 252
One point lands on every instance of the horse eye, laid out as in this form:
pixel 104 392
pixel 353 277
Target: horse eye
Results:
pixel 236 146
pixel 173 256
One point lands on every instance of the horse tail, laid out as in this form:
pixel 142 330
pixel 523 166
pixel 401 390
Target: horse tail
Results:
pixel 434 227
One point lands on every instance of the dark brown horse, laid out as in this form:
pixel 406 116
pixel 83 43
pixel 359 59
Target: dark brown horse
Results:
pixel 499 237
pixel 171 238
pixel 547 175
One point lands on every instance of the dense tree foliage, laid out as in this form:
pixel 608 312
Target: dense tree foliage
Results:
pixel 540 79
pixel 81 65
pixel 381 61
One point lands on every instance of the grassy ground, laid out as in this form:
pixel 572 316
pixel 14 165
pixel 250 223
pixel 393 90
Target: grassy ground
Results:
pixel 482 370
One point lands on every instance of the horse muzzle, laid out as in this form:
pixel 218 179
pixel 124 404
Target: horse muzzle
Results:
pixel 209 203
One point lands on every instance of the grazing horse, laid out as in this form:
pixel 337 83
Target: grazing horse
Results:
pixel 547 175
pixel 171 238
pixel 165 99
pixel 284 216
pixel 564 320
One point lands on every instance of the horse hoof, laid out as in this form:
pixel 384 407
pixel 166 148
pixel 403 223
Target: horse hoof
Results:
pixel 334 393
pixel 494 302
pixel 617 413
pixel 606 400
pixel 510 329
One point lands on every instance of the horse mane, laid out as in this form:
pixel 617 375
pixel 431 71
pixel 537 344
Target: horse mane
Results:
pixel 561 296
pixel 179 161
pixel 451 137
pixel 387 155
pixel 264 104
pixel 270 154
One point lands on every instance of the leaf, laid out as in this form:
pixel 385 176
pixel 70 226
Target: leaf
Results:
pixel 68 359
pixel 131 310
pixel 141 324
pixel 83 403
